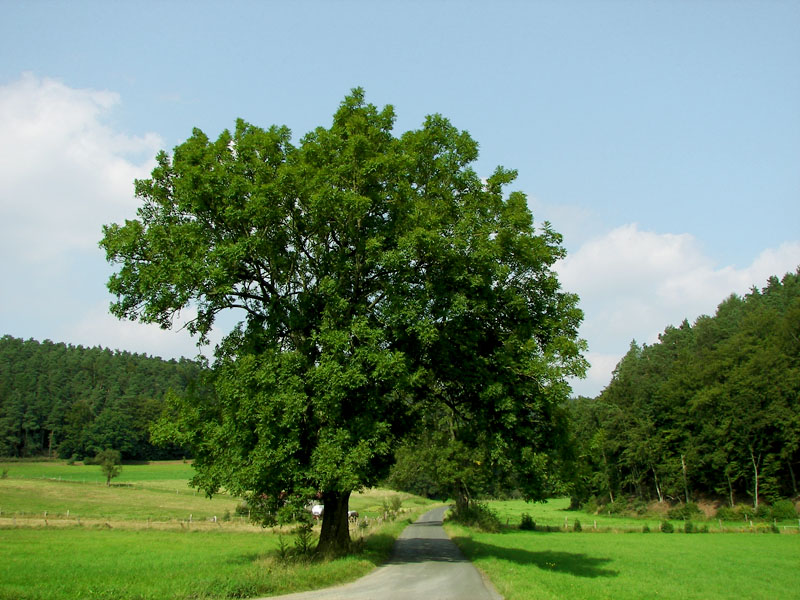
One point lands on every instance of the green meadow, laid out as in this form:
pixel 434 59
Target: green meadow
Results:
pixel 65 535
pixel 618 561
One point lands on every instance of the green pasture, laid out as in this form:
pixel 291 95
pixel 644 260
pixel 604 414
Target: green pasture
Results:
pixel 550 566
pixel 114 554
pixel 116 564
pixel 155 491
pixel 155 474
pixel 618 561
pixel 555 513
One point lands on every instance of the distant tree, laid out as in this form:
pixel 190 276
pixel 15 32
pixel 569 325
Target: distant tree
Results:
pixel 109 461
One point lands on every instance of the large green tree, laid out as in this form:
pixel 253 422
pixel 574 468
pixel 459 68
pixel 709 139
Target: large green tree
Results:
pixel 378 278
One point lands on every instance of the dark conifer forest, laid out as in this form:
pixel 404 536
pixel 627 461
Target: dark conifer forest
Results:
pixel 66 401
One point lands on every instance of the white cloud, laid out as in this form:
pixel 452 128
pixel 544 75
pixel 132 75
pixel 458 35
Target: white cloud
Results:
pixel 634 283
pixel 63 171
pixel 97 327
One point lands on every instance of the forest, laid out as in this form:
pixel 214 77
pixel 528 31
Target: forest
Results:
pixel 71 402
pixel 712 410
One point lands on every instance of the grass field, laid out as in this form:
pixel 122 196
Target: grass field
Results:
pixel 556 513
pixel 135 541
pixel 536 565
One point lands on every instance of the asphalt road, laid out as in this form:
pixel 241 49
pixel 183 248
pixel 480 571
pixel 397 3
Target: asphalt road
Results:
pixel 425 565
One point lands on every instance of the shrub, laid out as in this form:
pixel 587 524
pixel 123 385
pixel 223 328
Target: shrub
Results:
pixel 783 510
pixel 477 515
pixel 396 502
pixel 690 510
pixel 688 527
pixel 304 542
pixel 527 523
pixel 4 474
pixel 617 507
pixel 577 526
pixel 667 527
pixel 763 511
pixel 590 506
pixel 646 528
pixel 726 513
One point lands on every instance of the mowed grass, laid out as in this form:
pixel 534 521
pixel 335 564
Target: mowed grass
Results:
pixel 111 564
pixel 157 491
pixel 555 513
pixel 165 474
pixel 115 553
pixel 535 565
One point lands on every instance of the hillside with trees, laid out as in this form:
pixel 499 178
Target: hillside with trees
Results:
pixel 712 410
pixel 70 401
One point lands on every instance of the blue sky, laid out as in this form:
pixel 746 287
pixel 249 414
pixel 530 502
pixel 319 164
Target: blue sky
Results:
pixel 661 138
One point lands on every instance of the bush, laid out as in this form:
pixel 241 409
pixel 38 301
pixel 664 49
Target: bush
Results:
pixel 783 510
pixel 577 526
pixel 687 511
pixel 646 528
pixel 396 502
pixel 527 523
pixel 667 527
pixel 590 506
pixel 688 527
pixel 726 513
pixel 477 515
pixel 617 507
pixel 763 511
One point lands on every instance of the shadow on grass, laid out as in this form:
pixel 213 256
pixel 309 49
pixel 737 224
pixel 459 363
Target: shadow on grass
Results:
pixel 572 563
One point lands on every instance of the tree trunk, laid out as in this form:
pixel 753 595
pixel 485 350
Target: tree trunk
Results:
pixel 658 487
pixel 608 475
pixel 685 482
pixel 462 497
pixel 730 485
pixel 794 481
pixel 334 539
pixel 755 475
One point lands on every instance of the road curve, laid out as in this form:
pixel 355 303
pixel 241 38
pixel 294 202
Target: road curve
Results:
pixel 425 565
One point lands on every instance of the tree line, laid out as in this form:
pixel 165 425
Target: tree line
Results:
pixel 710 410
pixel 69 401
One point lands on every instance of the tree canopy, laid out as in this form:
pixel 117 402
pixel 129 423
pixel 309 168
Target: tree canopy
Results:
pixel 378 278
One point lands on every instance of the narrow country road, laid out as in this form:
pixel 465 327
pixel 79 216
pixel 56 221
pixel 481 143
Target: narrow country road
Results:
pixel 425 565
